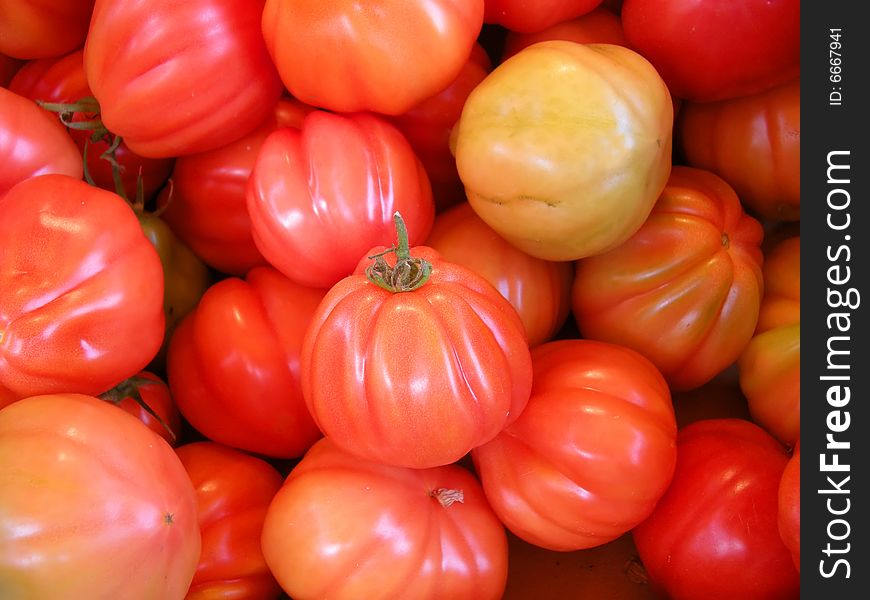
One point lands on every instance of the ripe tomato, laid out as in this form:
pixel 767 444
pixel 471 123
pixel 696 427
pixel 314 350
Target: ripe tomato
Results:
pixel 350 528
pixel 206 206
pixel 564 148
pixel 233 491
pixel 176 78
pixel 62 80
pixel 81 289
pixel 411 366
pixel 599 26
pixel 770 365
pixel 789 506
pixel 710 50
pixel 753 143
pixel 685 290
pixel 385 56
pixel 529 17
pixel 539 290
pixel 32 142
pixel 8 68
pixel 714 533
pixel 43 28
pixel 161 416
pixel 590 455
pixel 93 504
pixel 321 196
pixel 233 364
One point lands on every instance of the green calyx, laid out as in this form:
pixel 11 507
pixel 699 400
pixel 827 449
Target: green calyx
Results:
pixel 408 274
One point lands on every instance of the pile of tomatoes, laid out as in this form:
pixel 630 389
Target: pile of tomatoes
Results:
pixel 399 299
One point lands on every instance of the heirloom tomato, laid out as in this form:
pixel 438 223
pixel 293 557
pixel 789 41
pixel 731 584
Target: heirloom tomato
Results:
pixel 564 147
pixel 710 50
pixel 414 360
pixel 175 78
pixel 789 506
pixel 81 289
pixel 529 17
pixel 233 364
pixel 32 142
pixel 770 365
pixel 590 455
pixel 347 528
pixel 43 28
pixel 599 26
pixel 61 80
pixel 233 491
pixel 321 196
pixel 384 56
pixel 206 206
pixel 753 143
pixel 713 535
pixel 684 290
pixel 93 504
pixel 145 389
pixel 539 290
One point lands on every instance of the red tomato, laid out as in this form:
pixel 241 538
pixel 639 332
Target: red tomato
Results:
pixel 714 533
pixel 427 128
pixel 206 206
pixel 789 506
pixel 599 26
pixel 321 196
pixel 62 80
pixel 32 142
pixel 233 491
pixel 81 289
pixel 350 528
pixel 411 366
pixel 591 454
pixel 708 50
pixel 361 55
pixel 770 365
pixel 530 17
pixel 176 78
pixel 93 504
pixel 684 290
pixel 161 415
pixel 8 67
pixel 43 28
pixel 720 397
pixel 233 364
pixel 539 290
pixel 753 143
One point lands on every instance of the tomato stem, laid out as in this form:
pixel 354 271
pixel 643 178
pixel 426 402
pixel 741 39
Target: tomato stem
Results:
pixel 447 496
pixel 129 388
pixel 408 273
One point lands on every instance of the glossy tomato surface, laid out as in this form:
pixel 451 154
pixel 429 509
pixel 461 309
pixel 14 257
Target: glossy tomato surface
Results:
pixel 564 147
pixel 789 506
pixel 349 528
pixel 714 533
pixel 233 491
pixel 684 290
pixel 590 455
pixel 81 289
pixel 92 504
pixel 43 28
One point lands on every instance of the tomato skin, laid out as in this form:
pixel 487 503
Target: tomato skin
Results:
pixel 753 143
pixel 592 452
pixel 172 82
pixel 789 506
pixel 62 79
pixel 714 533
pixel 72 464
pixel 335 508
pixel 564 148
pixel 349 55
pixel 233 491
pixel 8 68
pixel 81 289
pixel 32 142
pixel 415 379
pixel 685 290
pixel 530 17
pixel 155 393
pixel 700 49
pixel 321 196
pixel 539 290
pixel 43 28
pixel 233 364
pixel 598 26
pixel 206 205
